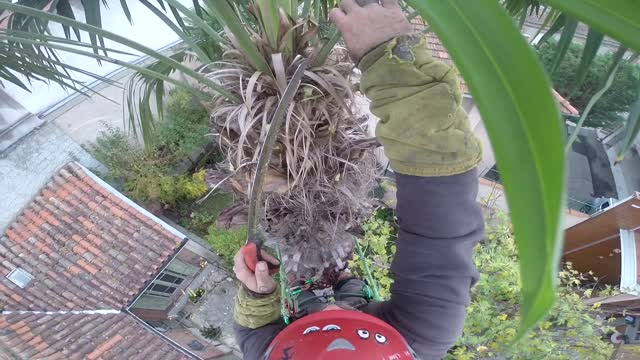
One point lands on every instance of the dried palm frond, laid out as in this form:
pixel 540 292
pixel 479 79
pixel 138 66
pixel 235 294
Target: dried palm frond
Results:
pixel 321 169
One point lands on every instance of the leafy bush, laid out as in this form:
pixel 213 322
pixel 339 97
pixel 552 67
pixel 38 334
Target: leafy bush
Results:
pixel 200 216
pixel 144 175
pixel 211 332
pixel 148 174
pixel 226 243
pixel 185 127
pixel 196 295
pixel 571 331
pixel 613 104
pixel 377 244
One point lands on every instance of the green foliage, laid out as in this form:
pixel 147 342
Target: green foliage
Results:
pixel 211 332
pixel 612 18
pixel 200 216
pixel 144 175
pixel 148 174
pixel 617 101
pixel 196 295
pixel 378 244
pixel 226 243
pixel 570 331
pixel 524 129
pixel 185 126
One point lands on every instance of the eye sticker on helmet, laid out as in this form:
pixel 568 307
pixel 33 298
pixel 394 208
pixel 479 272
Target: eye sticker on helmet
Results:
pixel 331 327
pixel 380 339
pixel 363 334
pixel 310 330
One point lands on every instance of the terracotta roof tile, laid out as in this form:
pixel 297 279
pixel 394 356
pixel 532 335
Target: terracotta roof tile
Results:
pixel 82 336
pixel 68 233
pixel 86 249
pixel 439 52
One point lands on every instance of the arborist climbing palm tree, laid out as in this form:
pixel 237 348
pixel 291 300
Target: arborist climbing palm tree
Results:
pixel 426 136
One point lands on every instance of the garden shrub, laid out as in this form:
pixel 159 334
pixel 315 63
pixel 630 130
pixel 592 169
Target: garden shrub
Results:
pixel 144 175
pixel 611 108
pixel 211 332
pixel 148 175
pixel 226 242
pixel 185 126
pixel 378 247
pixel 571 331
pixel 199 217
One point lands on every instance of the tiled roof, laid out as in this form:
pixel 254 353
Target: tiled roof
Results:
pixel 82 336
pixel 438 51
pixel 88 248
pixel 77 238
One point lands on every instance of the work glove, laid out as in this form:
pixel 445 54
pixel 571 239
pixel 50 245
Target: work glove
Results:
pixel 423 127
pixel 258 298
pixel 253 311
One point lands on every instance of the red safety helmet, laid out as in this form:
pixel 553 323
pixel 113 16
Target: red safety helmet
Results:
pixel 339 335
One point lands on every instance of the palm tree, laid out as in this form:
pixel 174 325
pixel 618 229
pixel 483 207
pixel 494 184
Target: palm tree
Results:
pixel 325 175
pixel 320 170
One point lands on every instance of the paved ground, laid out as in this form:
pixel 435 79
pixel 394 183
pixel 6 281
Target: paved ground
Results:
pixel 216 308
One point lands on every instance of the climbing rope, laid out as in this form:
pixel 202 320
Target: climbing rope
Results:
pixel 289 295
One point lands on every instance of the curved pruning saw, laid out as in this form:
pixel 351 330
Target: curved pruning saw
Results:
pixel 255 235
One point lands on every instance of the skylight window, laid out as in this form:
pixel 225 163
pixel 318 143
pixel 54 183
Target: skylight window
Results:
pixel 20 277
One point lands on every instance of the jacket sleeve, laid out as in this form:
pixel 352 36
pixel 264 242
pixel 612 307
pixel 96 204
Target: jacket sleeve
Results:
pixel 433 152
pixel 440 223
pixel 254 342
pixel 256 321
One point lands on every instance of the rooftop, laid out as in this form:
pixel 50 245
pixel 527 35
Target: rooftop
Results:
pixel 82 252
pixel 439 52
pixel 82 336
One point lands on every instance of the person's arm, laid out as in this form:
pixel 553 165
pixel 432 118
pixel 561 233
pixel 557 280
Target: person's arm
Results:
pixel 254 342
pixel 440 223
pixel 426 136
pixel 256 312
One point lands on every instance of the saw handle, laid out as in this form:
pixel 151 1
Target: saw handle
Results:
pixel 251 253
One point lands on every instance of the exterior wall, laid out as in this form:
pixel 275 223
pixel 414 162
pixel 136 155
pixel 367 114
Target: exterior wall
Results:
pixel 637 234
pixel 602 258
pixel 84 118
pixel 492 195
pixel 627 172
pixel 150 315
pixel 11 113
pixel 629 265
pixel 488 158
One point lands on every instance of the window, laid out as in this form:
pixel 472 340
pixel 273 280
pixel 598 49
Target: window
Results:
pixel 167 283
pixel 163 288
pixel 173 279
pixel 20 277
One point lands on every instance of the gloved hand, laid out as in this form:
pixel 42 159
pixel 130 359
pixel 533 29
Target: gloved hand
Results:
pixel 423 127
pixel 364 28
pixel 258 299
